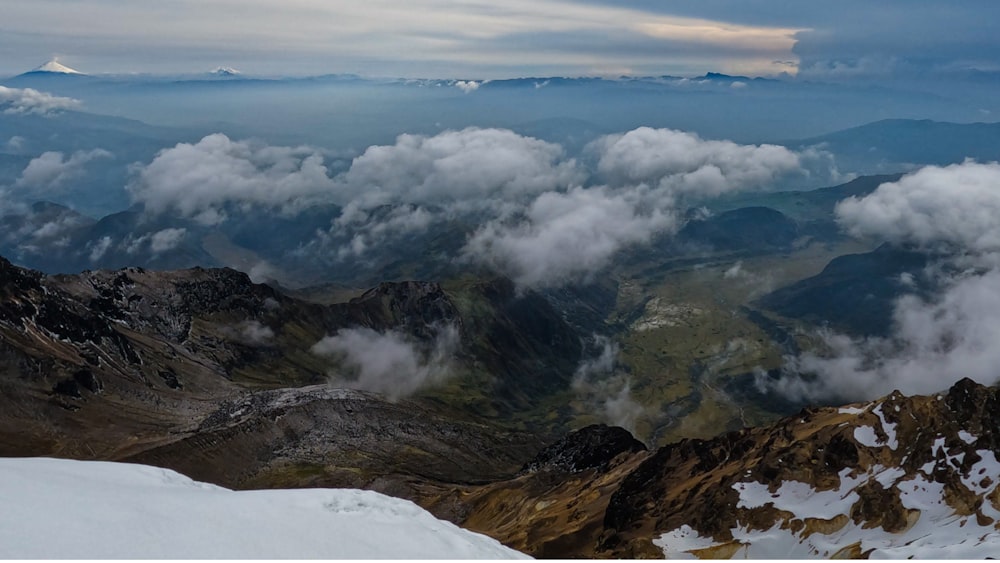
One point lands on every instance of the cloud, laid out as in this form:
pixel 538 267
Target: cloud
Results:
pixel 598 383
pixel 536 215
pixel 52 170
pixel 565 237
pixel 933 345
pixel 167 239
pixel 957 206
pixel 681 163
pixel 471 172
pixel 953 213
pixel 16 143
pixel 252 333
pixel 468 86
pixel 880 45
pixel 29 101
pixel 99 248
pixel 199 180
pixel 158 242
pixel 470 166
pixel 652 174
pixel 418 38
pixel 391 363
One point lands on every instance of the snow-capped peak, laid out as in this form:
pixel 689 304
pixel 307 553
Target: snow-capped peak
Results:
pixel 55 66
pixel 225 71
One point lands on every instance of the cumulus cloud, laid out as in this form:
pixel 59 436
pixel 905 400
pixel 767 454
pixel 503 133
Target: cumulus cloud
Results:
pixel 16 142
pixel 391 363
pixel 682 163
pixel 933 345
pixel 404 188
pixel 52 170
pixel 542 219
pixel 469 165
pixel 468 86
pixel 651 174
pixel 566 236
pixel 957 206
pixel 29 101
pixel 199 180
pixel 954 213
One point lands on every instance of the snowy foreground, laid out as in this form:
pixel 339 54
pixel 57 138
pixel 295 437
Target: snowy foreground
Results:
pixel 96 510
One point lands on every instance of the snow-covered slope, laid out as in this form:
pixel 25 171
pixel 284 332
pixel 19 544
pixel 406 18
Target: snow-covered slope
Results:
pixel 55 66
pixel 97 510
pixel 898 477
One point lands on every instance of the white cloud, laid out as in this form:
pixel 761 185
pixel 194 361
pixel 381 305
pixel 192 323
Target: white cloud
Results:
pixel 251 332
pixel 566 236
pixel 390 363
pixel 29 101
pixel 570 235
pixel 684 164
pixel 199 180
pixel 954 212
pixel 52 170
pixel 468 86
pixel 16 142
pixel 469 165
pixel 418 38
pixel 167 239
pixel 598 383
pixel 933 345
pixel 99 248
pixel 957 205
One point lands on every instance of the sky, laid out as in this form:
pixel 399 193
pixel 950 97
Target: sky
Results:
pixel 482 39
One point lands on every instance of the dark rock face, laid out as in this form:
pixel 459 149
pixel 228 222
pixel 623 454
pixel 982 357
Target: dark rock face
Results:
pixel 593 447
pixel 140 364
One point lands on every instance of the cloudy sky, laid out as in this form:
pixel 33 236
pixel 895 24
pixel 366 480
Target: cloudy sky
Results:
pixel 488 39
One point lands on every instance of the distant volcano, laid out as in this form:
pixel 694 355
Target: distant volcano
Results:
pixel 54 66
pixel 225 71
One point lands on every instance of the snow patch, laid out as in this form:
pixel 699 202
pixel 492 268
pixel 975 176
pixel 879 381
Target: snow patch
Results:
pixel 888 428
pixel 967 437
pixel 60 509
pixel 679 543
pixel 801 499
pixel 865 435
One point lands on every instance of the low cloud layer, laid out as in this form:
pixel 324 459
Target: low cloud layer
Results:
pixel 957 206
pixel 52 170
pixel 954 213
pixel 599 384
pixel 683 164
pixel 466 166
pixel 651 175
pixel 538 215
pixel 390 363
pixel 199 180
pixel 30 101
pixel 567 236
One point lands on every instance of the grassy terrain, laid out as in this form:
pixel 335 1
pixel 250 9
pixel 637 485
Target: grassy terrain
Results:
pixel 687 330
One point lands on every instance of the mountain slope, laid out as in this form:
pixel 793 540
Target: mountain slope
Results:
pixel 205 372
pixel 900 476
